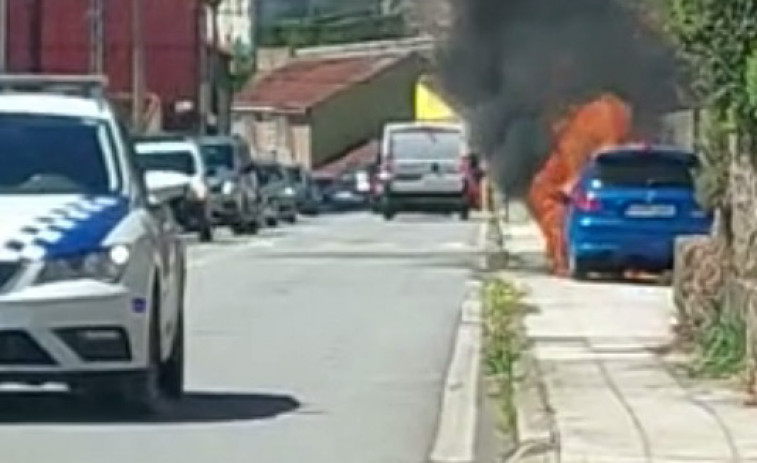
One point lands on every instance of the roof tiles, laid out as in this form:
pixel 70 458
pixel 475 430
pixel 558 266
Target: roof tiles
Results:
pixel 303 83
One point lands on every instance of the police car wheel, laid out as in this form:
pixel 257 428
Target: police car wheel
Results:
pixel 143 393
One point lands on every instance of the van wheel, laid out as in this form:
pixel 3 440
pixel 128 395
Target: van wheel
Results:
pixel 389 214
pixel 465 214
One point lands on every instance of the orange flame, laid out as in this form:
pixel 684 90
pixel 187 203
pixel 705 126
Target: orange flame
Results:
pixel 602 122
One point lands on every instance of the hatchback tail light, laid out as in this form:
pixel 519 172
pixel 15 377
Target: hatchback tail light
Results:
pixel 584 201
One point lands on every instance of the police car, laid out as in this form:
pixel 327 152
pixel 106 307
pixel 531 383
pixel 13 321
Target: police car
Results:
pixel 92 271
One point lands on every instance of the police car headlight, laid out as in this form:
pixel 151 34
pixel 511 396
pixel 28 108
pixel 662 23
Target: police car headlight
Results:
pixel 228 187
pixel 105 265
pixel 289 191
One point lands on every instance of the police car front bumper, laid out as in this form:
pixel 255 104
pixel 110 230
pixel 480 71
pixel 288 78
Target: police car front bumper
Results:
pixel 52 331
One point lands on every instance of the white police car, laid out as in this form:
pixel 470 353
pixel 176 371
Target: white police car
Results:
pixel 91 269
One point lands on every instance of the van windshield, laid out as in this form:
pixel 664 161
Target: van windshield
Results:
pixel 428 143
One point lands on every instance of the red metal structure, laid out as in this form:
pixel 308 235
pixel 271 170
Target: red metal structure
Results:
pixel 54 36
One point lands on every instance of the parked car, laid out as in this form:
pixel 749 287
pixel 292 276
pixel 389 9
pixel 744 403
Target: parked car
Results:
pixel 344 192
pixel 277 187
pixel 628 206
pixel 308 195
pixel 182 155
pixel 234 190
pixel 423 169
pixel 92 270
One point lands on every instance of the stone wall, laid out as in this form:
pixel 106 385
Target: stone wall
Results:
pixel 719 272
pixel 698 279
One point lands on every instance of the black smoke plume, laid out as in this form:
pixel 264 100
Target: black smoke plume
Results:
pixel 513 66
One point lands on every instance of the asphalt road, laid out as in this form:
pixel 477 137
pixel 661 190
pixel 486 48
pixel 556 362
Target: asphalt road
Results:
pixel 323 342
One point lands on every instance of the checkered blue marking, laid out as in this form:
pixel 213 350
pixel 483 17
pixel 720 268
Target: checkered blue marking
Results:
pixel 77 227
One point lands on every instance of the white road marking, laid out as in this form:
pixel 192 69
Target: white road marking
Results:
pixel 231 252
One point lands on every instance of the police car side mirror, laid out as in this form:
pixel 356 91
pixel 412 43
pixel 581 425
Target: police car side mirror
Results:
pixel 165 186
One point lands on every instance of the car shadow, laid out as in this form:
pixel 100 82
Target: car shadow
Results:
pixel 195 407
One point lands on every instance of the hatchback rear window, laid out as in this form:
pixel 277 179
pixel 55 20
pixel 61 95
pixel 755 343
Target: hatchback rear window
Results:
pixel 645 170
pixel 426 144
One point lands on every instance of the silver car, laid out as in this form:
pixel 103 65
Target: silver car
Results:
pixel 422 168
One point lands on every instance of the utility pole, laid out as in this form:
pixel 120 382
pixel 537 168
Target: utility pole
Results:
pixel 97 37
pixel 137 64
pixel 35 36
pixel 204 90
pixel 3 36
pixel 215 65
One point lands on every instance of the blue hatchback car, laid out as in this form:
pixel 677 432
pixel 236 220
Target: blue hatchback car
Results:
pixel 627 208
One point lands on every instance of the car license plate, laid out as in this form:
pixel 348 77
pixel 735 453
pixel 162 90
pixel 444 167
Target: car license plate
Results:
pixel 651 211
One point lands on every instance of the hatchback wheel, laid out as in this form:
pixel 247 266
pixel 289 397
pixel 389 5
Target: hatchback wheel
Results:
pixel 577 268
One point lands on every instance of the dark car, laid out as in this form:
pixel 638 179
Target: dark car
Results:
pixel 234 190
pixel 307 192
pixel 344 191
pixel 277 188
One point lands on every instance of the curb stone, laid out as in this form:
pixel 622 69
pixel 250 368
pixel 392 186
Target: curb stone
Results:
pixel 536 434
pixel 536 431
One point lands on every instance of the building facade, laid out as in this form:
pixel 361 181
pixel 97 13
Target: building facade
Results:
pixel 235 22
pixel 312 111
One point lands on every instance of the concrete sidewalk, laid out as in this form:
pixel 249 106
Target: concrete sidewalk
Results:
pixel 614 400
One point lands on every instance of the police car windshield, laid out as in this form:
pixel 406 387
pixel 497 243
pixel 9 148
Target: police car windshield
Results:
pixel 55 155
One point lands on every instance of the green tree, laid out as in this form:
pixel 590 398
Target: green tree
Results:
pixel 717 39
pixel 242 65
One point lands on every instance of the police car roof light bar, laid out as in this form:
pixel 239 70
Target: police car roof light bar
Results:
pixel 88 85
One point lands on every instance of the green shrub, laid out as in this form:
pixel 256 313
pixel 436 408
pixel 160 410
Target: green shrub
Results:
pixel 503 342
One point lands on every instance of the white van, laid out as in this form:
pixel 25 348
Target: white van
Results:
pixel 423 168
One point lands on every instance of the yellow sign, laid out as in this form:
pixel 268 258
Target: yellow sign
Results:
pixel 429 106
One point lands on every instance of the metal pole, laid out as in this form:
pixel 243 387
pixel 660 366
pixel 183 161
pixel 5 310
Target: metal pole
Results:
pixel 97 37
pixel 35 36
pixel 137 64
pixel 203 97
pixel 3 35
pixel 215 65
pixel 257 17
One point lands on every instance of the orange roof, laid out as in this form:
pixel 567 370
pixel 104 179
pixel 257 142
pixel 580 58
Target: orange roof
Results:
pixel 303 83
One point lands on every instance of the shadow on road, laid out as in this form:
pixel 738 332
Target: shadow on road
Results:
pixel 195 407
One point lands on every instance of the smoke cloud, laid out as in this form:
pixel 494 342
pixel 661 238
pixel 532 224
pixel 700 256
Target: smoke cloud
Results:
pixel 514 66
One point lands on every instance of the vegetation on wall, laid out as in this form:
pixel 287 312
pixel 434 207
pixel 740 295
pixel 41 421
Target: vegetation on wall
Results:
pixel 326 30
pixel 242 65
pixel 718 41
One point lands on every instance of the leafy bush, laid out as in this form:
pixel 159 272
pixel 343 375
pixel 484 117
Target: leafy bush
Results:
pixel 335 30
pixel 503 341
